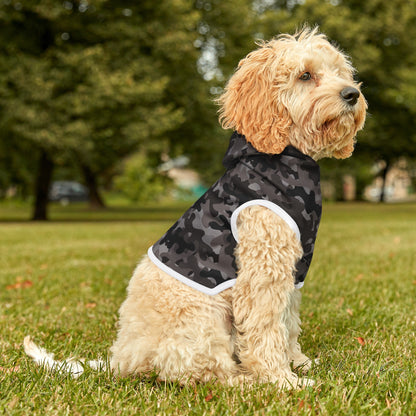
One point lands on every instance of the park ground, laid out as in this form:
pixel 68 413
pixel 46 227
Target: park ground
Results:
pixel 63 281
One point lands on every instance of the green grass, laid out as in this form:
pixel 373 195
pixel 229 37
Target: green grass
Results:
pixel 62 282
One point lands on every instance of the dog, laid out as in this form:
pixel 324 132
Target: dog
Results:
pixel 217 297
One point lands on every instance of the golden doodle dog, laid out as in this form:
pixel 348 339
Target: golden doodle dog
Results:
pixel 217 297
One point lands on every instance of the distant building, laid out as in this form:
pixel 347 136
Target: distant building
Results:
pixel 398 185
pixel 186 179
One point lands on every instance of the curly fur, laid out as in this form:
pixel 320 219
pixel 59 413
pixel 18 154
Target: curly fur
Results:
pixel 247 333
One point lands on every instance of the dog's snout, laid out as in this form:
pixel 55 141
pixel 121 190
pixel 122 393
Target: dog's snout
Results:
pixel 350 95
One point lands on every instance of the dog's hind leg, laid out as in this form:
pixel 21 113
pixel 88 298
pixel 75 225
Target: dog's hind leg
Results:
pixel 199 347
pixel 177 331
pixel 266 256
pixel 198 344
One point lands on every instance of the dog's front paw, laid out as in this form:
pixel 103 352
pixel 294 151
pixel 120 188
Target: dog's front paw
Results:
pixel 303 364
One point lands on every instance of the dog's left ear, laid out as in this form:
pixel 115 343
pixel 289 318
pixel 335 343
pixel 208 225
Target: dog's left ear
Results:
pixel 251 104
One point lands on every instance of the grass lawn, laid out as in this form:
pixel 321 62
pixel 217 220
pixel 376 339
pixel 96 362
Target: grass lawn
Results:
pixel 63 281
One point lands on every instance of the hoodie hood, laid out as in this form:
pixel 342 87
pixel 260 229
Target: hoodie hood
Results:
pixel 239 148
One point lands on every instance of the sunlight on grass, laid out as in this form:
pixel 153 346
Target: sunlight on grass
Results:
pixel 63 282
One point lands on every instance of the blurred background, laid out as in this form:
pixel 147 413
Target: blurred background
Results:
pixel 103 101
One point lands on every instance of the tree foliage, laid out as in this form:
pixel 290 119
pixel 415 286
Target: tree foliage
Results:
pixel 90 84
pixel 84 84
pixel 140 181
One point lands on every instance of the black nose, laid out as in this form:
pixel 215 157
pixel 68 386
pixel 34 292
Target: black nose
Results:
pixel 350 95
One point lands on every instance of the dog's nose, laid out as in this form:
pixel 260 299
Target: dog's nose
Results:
pixel 350 95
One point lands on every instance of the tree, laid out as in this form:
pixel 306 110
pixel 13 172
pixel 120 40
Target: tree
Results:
pixel 85 83
pixel 90 83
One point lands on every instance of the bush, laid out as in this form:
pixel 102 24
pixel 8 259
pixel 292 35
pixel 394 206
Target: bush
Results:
pixel 140 181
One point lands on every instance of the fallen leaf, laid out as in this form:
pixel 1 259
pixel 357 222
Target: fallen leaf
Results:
pixel 209 397
pixel 20 285
pixel 360 340
pixel 414 282
pixel 11 287
pixel 359 277
pixel 350 312
pixel 91 305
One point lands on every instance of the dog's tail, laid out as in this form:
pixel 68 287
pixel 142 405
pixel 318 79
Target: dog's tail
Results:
pixel 70 365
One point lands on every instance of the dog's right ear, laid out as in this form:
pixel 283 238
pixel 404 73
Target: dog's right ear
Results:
pixel 251 104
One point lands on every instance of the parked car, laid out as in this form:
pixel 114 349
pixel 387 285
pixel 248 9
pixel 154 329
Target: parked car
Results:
pixel 68 191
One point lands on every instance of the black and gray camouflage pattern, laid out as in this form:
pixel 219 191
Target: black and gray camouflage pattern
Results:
pixel 200 245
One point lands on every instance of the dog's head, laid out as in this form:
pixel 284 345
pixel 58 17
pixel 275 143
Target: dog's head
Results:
pixel 295 90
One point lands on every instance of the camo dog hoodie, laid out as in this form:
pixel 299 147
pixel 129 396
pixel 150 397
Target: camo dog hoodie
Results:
pixel 199 248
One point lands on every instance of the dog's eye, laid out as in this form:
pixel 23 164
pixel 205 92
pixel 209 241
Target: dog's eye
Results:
pixel 306 76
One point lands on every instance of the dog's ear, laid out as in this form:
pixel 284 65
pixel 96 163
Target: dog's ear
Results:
pixel 251 104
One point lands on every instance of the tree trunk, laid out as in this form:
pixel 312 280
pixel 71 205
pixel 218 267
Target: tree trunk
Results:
pixel 90 178
pixel 384 183
pixel 42 185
